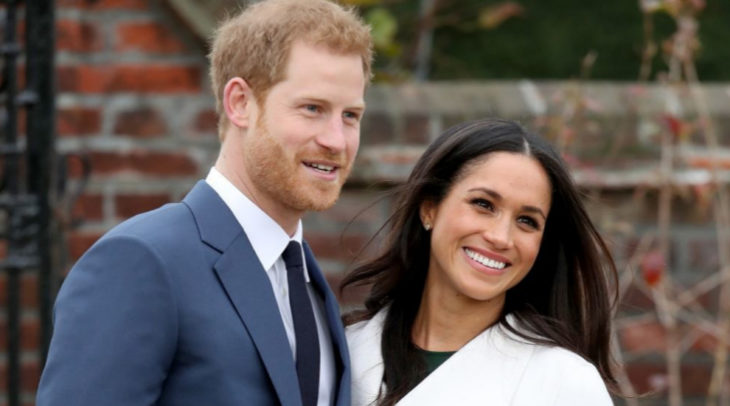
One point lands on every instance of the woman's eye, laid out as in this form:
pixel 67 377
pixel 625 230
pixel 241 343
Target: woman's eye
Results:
pixel 529 221
pixel 483 203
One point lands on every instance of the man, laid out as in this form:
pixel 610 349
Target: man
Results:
pixel 207 302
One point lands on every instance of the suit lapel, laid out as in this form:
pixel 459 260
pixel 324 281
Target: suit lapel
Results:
pixel 248 288
pixel 334 324
pixel 250 291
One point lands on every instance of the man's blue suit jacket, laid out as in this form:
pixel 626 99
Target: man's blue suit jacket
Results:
pixel 172 307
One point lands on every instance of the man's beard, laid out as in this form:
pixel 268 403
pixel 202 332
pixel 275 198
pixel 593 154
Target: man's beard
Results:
pixel 282 178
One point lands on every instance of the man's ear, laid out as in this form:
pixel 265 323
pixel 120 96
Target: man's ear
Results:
pixel 238 102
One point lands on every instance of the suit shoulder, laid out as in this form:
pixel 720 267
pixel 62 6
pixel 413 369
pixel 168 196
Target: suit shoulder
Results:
pixel 165 230
pixel 164 222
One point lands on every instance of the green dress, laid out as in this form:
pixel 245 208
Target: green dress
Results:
pixel 435 358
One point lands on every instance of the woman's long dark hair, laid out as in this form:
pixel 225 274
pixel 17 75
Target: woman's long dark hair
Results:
pixel 564 300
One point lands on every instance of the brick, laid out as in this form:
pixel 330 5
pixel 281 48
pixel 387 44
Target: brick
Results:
pixel 417 129
pixel 129 78
pixel 143 162
pixel 355 208
pixel 149 37
pixel 705 342
pixel 30 373
pixel 352 297
pixel 76 36
pixel 206 121
pixel 76 164
pixel 29 334
pixel 78 121
pixel 19 26
pixel 647 377
pixel 79 242
pixel 629 247
pixel 710 300
pixel 707 162
pixel 129 205
pixel 84 79
pixel 336 246
pixel 88 207
pixel 450 120
pixel 22 120
pixel 104 4
pixel 377 128
pixel 28 290
pixel 140 123
pixel 647 337
pixel 22 83
pixel 703 254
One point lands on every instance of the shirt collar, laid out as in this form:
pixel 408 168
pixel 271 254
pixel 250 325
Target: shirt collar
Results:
pixel 267 237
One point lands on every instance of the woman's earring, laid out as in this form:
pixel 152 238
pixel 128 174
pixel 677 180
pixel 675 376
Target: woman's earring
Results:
pixel 427 226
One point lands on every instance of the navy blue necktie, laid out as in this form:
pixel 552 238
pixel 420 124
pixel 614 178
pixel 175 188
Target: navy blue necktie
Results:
pixel 305 327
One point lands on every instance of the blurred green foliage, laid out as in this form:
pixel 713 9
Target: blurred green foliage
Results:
pixel 539 39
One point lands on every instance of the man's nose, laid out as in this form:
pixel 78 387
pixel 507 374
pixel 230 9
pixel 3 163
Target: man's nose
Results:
pixel 333 136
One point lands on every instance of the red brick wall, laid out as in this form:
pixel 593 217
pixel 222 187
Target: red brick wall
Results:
pixel 133 101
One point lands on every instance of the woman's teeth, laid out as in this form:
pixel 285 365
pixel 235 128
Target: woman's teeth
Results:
pixel 484 260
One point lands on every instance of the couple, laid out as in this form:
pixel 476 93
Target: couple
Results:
pixel 492 275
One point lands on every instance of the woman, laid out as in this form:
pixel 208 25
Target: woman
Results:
pixel 492 285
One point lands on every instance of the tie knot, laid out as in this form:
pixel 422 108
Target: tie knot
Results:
pixel 293 255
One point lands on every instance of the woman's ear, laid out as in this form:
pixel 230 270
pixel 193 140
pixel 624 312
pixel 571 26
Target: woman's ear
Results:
pixel 238 102
pixel 427 212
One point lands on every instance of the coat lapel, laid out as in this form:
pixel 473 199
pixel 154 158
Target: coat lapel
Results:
pixel 248 288
pixel 364 340
pixel 486 370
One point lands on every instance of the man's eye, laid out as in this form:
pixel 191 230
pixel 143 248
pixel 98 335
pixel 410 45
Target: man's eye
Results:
pixel 312 108
pixel 351 115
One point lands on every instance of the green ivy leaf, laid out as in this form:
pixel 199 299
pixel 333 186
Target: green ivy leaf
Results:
pixel 383 27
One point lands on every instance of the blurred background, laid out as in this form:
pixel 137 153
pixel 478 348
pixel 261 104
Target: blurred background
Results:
pixel 107 112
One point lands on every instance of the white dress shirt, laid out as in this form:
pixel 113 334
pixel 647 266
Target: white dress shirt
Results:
pixel 269 240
